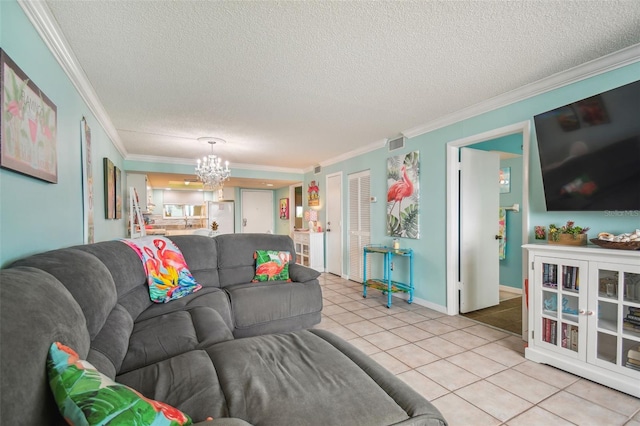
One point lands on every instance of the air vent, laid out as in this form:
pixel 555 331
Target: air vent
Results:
pixel 317 169
pixel 396 143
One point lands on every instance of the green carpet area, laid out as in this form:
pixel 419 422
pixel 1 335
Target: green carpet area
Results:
pixel 506 316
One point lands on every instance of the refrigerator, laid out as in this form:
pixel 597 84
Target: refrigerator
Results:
pixel 223 213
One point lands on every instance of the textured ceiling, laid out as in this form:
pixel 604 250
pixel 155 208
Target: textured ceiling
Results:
pixel 295 83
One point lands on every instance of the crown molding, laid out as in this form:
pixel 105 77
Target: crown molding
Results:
pixel 189 162
pixel 351 154
pixel 45 24
pixel 589 69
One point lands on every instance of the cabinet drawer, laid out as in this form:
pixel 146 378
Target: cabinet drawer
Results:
pixel 302 238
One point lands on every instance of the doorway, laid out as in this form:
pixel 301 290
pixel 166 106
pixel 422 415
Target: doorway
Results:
pixel 359 222
pixel 453 210
pixel 334 224
pixel 298 207
pixel 257 211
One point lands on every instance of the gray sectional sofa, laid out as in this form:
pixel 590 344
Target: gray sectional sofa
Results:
pixel 237 351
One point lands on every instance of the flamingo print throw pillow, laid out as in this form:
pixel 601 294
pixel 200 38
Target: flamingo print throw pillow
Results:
pixel 272 265
pixel 87 397
pixel 168 276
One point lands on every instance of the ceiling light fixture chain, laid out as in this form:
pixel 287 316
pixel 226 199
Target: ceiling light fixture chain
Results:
pixel 210 170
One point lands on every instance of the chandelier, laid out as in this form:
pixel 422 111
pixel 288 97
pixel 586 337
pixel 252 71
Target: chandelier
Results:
pixel 210 170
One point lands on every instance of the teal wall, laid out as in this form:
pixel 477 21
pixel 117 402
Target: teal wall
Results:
pixel 281 225
pixel 35 215
pixel 511 266
pixel 430 256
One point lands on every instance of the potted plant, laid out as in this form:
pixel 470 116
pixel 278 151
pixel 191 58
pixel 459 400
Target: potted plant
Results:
pixel 568 234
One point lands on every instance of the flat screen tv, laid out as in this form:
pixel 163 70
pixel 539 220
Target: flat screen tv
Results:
pixel 590 152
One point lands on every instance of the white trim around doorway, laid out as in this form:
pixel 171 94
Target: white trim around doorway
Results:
pixel 453 219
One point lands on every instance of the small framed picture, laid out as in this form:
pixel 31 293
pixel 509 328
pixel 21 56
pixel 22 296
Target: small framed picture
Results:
pixel 284 208
pixel 505 180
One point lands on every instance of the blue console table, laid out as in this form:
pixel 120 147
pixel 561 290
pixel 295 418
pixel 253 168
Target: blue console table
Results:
pixel 386 284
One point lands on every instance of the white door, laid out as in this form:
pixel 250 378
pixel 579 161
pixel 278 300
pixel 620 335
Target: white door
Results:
pixel 479 204
pixel 359 222
pixel 334 224
pixel 257 211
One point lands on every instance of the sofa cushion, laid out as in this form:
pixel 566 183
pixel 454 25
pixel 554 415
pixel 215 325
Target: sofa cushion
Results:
pixel 299 378
pixel 86 278
pixel 272 265
pixel 168 275
pixel 211 297
pixel 35 310
pixel 109 347
pixel 301 273
pixel 162 337
pixel 201 255
pixel 188 382
pixel 236 262
pixel 87 397
pixel 127 272
pixel 285 300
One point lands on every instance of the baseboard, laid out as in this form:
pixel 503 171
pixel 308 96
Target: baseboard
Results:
pixel 421 302
pixel 508 289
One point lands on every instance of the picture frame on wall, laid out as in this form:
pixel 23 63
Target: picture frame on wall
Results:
pixel 313 193
pixel 403 195
pixel 118 192
pixel 505 180
pixel 109 189
pixel 87 182
pixel 284 208
pixel 28 120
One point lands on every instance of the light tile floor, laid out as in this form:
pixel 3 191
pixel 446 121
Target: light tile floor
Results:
pixel 475 375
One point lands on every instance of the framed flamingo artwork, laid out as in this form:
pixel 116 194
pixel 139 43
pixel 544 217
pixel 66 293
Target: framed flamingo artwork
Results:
pixel 28 120
pixel 403 195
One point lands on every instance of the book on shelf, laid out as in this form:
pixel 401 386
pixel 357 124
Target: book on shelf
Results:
pixel 632 327
pixel 632 366
pixel 634 353
pixel 569 280
pixel 574 338
pixel 550 275
pixel 634 311
pixel 633 318
pixel 633 361
pixel 631 321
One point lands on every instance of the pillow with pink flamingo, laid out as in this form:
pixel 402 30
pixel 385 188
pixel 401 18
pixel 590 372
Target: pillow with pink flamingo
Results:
pixel 272 265
pixel 168 276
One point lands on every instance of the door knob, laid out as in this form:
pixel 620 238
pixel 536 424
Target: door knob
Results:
pixel 498 237
pixel 328 230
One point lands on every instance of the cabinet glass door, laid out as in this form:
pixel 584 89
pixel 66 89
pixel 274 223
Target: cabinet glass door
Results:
pixel 617 338
pixel 560 305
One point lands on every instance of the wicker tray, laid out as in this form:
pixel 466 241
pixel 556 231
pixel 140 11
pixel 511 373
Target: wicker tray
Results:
pixel 620 246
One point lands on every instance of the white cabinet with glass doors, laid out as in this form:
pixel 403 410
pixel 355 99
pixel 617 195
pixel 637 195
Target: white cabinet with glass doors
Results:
pixel 583 303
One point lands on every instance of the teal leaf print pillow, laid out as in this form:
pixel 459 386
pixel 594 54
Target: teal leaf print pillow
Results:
pixel 87 397
pixel 272 265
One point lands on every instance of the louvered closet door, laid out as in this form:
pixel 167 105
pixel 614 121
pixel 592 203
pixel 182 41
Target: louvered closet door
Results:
pixel 359 222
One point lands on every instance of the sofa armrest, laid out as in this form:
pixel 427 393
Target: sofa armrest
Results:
pixel 223 421
pixel 301 274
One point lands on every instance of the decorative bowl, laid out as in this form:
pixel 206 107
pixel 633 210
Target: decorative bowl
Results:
pixel 635 245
